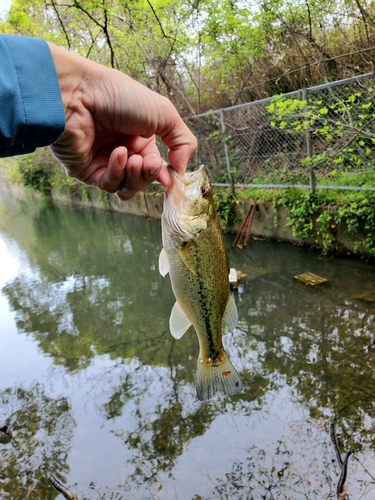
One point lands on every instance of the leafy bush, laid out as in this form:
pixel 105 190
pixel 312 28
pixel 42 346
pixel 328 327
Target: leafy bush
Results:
pixel 225 204
pixel 320 215
pixel 43 173
pixel 35 170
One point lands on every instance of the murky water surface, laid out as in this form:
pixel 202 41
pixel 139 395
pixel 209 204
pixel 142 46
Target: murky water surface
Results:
pixel 94 389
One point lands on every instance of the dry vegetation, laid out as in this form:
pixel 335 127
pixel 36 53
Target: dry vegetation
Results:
pixel 207 55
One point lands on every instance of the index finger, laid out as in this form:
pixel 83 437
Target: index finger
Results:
pixel 180 140
pixel 181 148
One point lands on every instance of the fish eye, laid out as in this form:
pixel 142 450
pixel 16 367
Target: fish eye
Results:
pixel 205 190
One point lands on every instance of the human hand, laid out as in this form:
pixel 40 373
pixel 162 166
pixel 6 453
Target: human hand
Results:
pixel 111 123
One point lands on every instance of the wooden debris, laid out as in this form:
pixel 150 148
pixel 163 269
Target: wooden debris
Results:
pixel 245 228
pixel 310 279
pixel 366 296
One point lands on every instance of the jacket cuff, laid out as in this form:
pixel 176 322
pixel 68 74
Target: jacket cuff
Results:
pixel 32 113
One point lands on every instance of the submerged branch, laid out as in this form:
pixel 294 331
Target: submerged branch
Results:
pixel 343 464
pixel 60 487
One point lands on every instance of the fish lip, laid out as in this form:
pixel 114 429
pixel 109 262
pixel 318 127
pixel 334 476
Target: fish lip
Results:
pixel 187 177
pixel 180 181
pixel 174 193
pixel 194 176
pixel 177 181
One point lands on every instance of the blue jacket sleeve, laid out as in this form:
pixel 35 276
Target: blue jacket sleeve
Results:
pixel 31 110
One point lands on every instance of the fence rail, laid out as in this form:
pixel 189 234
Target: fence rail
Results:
pixel 320 137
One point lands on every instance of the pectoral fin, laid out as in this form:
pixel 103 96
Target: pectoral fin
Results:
pixel 187 258
pixel 163 263
pixel 230 317
pixel 178 322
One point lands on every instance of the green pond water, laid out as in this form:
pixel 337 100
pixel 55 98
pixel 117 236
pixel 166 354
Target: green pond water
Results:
pixel 94 389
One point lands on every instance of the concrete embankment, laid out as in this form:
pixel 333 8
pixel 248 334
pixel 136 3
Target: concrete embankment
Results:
pixel 268 223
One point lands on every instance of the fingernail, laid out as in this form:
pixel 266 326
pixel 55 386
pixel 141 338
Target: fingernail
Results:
pixel 165 164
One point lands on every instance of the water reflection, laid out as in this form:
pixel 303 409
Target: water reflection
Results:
pixel 112 405
pixel 36 435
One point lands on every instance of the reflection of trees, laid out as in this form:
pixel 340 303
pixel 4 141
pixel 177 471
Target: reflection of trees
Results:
pixel 286 470
pixel 321 344
pixel 326 353
pixel 39 433
pixel 165 414
pixel 161 440
pixel 298 466
pixel 319 340
pixel 97 276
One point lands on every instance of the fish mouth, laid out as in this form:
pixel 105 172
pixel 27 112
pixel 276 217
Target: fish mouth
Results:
pixel 180 198
pixel 194 176
pixel 181 181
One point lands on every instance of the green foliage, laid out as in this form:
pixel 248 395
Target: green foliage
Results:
pixel 35 171
pixel 41 172
pixel 302 208
pixel 340 126
pixel 207 55
pixel 322 215
pixel 225 206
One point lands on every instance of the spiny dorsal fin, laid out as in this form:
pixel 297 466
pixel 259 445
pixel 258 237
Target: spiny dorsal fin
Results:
pixel 178 322
pixel 163 262
pixel 230 317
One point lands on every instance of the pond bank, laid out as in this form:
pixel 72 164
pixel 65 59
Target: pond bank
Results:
pixel 269 223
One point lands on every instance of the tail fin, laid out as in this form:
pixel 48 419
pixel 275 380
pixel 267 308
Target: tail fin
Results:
pixel 212 378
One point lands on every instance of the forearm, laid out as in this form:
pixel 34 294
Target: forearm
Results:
pixel 31 114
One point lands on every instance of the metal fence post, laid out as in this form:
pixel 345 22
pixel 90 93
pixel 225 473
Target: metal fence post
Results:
pixel 226 151
pixel 308 144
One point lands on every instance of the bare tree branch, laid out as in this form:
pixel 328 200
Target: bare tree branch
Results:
pixel 61 24
pixel 300 68
pixel 103 27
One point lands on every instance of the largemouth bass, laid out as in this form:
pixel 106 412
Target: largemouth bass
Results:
pixel 194 254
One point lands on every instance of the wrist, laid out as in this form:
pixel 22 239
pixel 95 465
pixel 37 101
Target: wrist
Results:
pixel 71 71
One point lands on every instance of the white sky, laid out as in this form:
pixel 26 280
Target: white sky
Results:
pixel 5 5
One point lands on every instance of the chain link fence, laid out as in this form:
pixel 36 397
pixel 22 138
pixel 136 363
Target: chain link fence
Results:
pixel 320 137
